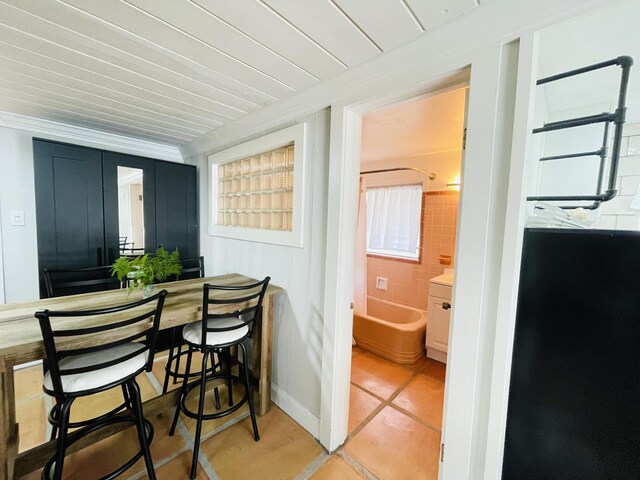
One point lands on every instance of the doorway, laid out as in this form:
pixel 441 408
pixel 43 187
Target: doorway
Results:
pixel 410 160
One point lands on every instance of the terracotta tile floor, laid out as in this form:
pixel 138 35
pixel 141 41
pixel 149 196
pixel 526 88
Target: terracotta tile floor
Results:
pixel 394 431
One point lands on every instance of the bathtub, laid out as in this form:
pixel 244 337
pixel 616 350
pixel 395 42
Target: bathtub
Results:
pixel 395 332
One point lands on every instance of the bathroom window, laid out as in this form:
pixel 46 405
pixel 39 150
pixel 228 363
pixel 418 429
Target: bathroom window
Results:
pixel 393 221
pixel 256 189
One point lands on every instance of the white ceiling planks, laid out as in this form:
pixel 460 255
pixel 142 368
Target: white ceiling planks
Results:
pixel 377 15
pixel 171 71
pixel 40 111
pixel 212 31
pixel 61 24
pixel 257 20
pixel 344 40
pixel 436 12
pixel 143 27
pixel 87 78
pixel 11 81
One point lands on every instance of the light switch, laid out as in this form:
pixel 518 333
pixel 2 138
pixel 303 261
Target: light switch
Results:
pixel 17 218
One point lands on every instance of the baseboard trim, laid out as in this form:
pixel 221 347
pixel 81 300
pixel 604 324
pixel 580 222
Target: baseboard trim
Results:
pixel 297 411
pixel 90 137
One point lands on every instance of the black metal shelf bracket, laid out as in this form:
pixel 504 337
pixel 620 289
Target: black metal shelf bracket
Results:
pixel 617 118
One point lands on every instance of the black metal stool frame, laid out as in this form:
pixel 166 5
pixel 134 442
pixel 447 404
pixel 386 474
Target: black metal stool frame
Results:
pixel 191 268
pixel 59 416
pixel 247 315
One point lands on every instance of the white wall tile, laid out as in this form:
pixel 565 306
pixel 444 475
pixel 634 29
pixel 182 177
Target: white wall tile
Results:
pixel 616 206
pixel 629 165
pixel 631 129
pixel 634 145
pixel 629 185
pixel 624 147
pixel 606 222
pixel 628 222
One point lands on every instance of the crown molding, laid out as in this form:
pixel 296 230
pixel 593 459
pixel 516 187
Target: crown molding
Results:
pixel 89 137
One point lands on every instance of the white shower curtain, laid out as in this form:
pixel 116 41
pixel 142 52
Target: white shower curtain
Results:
pixel 360 295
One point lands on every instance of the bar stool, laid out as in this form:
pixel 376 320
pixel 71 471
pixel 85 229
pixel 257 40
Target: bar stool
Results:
pixel 119 345
pixel 191 268
pixel 218 333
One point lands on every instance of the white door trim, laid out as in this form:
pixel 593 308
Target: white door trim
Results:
pixel 515 218
pixel 474 300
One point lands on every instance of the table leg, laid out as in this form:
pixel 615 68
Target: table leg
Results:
pixel 266 346
pixel 8 426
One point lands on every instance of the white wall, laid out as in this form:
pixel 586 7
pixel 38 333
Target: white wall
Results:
pixel 17 192
pixel 297 347
pixel 19 265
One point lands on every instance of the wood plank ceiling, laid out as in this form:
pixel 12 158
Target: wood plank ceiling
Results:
pixel 171 70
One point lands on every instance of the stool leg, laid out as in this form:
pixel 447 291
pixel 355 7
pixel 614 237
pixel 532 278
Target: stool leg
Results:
pixel 167 367
pixel 196 441
pixel 54 427
pixel 252 410
pixel 61 445
pixel 127 399
pixel 183 388
pixel 175 379
pixel 227 361
pixel 136 401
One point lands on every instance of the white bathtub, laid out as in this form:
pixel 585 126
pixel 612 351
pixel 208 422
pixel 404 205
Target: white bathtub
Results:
pixel 395 332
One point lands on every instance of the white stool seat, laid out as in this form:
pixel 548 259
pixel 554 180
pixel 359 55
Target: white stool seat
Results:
pixel 104 376
pixel 192 333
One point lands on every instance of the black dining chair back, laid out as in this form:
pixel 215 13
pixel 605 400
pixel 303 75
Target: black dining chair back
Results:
pixel 71 281
pixel 134 323
pixel 191 268
pixel 117 344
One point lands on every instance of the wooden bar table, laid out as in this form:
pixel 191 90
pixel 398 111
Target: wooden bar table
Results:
pixel 21 342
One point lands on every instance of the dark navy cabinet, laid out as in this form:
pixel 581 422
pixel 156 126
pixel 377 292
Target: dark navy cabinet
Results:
pixel 77 205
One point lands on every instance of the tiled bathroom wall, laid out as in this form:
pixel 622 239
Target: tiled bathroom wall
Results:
pixel 616 214
pixel 408 281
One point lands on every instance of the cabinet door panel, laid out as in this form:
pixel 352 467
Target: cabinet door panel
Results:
pixel 69 207
pixel 438 324
pixel 177 208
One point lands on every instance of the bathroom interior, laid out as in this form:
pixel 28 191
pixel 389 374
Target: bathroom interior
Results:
pixel 411 155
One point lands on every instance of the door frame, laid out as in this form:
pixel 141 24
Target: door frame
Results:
pixel 476 248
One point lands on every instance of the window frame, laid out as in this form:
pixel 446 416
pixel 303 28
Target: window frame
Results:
pixel 295 134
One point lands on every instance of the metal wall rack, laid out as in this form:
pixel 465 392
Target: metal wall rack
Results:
pixel 617 118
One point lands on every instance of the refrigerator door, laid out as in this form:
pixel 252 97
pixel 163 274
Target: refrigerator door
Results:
pixel 574 400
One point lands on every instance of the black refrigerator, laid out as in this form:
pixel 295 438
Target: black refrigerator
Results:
pixel 574 398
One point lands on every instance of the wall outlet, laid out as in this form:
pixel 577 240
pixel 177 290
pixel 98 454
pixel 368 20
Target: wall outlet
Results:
pixel 382 283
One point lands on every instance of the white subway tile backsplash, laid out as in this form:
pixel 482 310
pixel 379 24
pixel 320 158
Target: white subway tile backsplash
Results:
pixel 628 222
pixel 629 165
pixel 629 185
pixel 606 222
pixel 630 129
pixel 634 145
pixel 616 206
pixel 624 147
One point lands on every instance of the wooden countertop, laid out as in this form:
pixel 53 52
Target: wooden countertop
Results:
pixel 21 340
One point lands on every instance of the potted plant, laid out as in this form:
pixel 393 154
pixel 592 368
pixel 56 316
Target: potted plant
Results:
pixel 142 271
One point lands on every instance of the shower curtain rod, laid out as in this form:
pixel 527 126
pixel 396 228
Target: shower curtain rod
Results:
pixel 432 176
